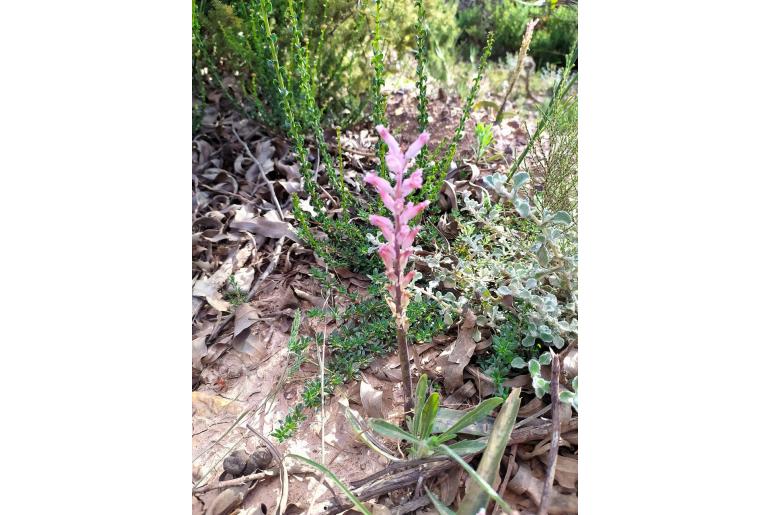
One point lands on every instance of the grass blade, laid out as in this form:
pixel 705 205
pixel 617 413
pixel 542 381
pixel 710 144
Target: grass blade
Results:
pixel 391 431
pixel 478 480
pixel 441 508
pixel 328 473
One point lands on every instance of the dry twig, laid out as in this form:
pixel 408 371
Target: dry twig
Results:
pixel 554 452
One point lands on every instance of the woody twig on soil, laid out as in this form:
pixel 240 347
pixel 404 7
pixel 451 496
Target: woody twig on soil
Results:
pixel 553 454
pixel 237 481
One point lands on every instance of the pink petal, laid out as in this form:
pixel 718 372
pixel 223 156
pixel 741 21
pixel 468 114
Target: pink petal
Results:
pixel 396 164
pixel 388 255
pixel 412 210
pixel 385 225
pixel 415 147
pixel 390 141
pixel 379 183
pixel 408 238
pixel 408 278
pixel 414 182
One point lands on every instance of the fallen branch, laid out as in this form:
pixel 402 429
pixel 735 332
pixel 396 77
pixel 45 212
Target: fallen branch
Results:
pixel 553 454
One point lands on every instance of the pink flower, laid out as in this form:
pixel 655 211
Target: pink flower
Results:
pixel 399 236
pixel 411 211
pixel 385 225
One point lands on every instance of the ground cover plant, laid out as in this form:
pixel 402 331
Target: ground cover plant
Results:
pixel 403 211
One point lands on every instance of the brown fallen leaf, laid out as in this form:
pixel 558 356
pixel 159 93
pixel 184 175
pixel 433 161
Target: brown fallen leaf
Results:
pixel 566 470
pixel 524 482
pixel 371 400
pixel 452 362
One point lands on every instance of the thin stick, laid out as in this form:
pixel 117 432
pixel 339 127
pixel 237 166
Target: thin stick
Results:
pixel 262 173
pixel 235 482
pixel 519 64
pixel 553 454
pixel 507 477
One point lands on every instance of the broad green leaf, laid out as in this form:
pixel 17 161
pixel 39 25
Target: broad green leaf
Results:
pixel 528 341
pixel 469 446
pixel 428 416
pixel 476 477
pixel 566 396
pixel 518 362
pixel 421 391
pixel 391 431
pixel 545 358
pixel 534 367
pixel 482 410
pixel 441 508
pixel 328 473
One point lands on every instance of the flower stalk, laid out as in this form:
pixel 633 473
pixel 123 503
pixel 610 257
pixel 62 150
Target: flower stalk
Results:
pixel 399 237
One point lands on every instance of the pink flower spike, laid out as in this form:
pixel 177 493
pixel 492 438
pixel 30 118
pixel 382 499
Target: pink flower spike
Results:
pixel 390 141
pixel 415 147
pixel 385 225
pixel 408 277
pixel 412 210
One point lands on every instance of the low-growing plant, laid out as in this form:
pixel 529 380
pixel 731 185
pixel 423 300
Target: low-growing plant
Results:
pixel 484 138
pixel 366 330
pixel 424 443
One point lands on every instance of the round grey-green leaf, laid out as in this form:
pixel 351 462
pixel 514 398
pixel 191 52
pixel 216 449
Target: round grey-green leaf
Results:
pixel 518 362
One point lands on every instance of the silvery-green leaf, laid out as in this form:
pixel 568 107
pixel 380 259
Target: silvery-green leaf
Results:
pixel 562 217
pixel 575 384
pixel 547 337
pixel 522 207
pixel 545 358
pixel 531 283
pixel 448 317
pixel 542 256
pixel 417 275
pixel 520 179
pixel 558 341
pixel 518 362
pixel 528 341
pixel 503 291
pixel 476 335
pixel 566 396
pixel 534 368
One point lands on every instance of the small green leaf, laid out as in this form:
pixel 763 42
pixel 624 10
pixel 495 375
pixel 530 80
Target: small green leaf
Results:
pixel 542 255
pixel 518 362
pixel 528 341
pixel 391 431
pixel 534 368
pixel 545 358
pixel 566 396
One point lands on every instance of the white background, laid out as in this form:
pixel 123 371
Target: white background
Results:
pixel 95 257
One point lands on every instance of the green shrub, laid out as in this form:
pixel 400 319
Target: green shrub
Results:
pixel 554 35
